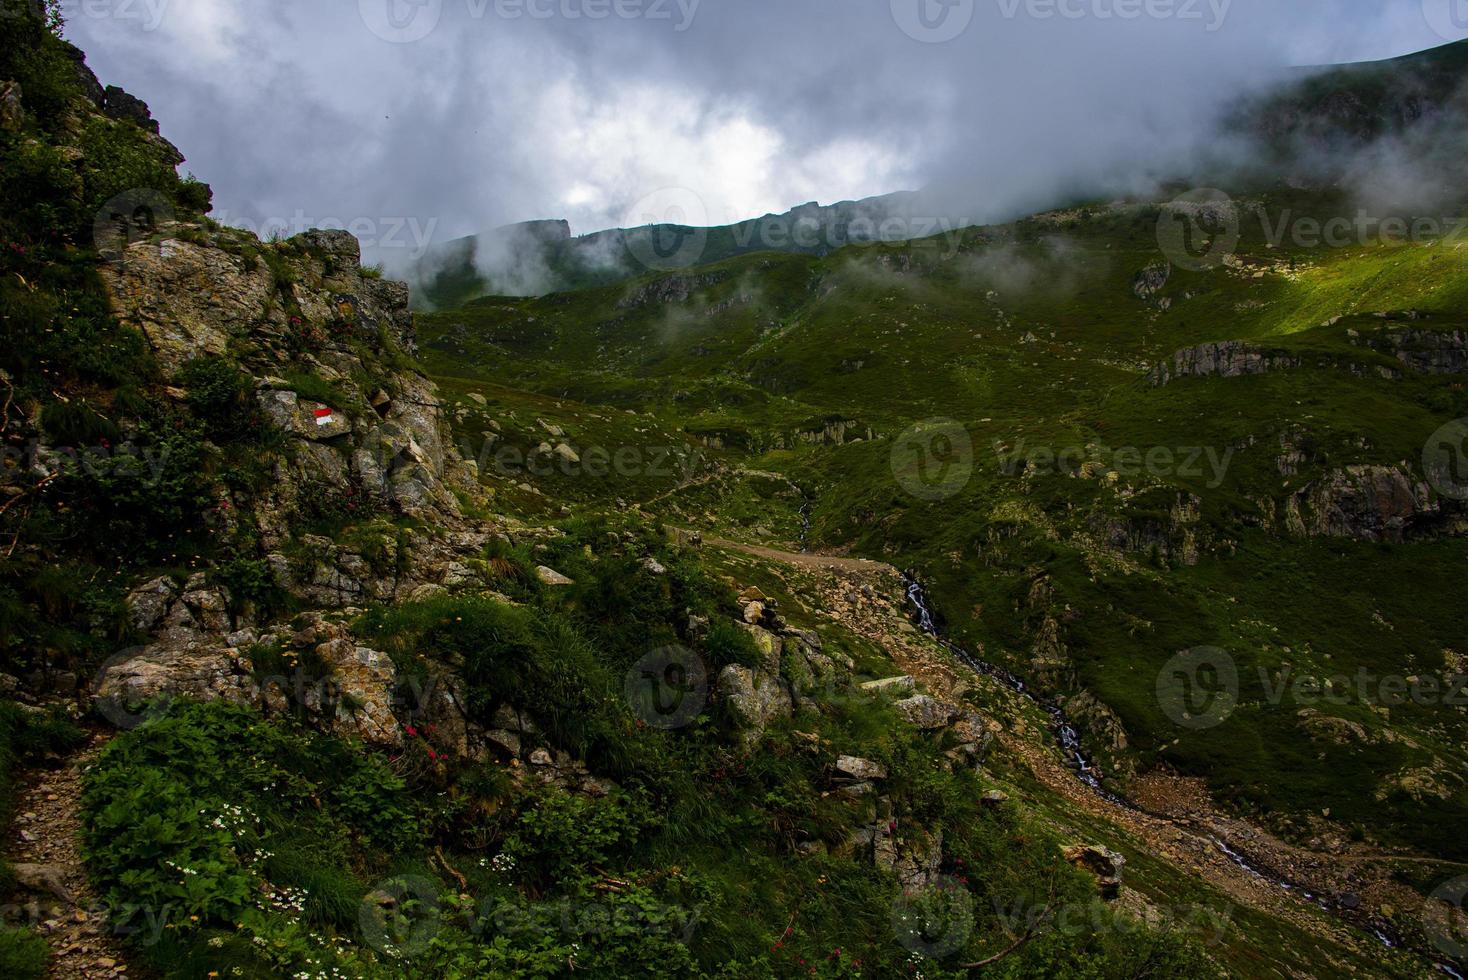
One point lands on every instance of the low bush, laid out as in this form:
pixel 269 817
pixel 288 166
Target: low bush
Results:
pixel 23 954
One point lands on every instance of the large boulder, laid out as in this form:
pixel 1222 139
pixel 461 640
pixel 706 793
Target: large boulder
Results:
pixel 927 713
pixel 769 645
pixel 755 699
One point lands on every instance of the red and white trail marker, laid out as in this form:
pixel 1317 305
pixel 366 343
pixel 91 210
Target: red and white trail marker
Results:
pixel 323 416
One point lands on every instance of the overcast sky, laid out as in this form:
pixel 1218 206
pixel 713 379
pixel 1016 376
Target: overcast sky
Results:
pixel 419 118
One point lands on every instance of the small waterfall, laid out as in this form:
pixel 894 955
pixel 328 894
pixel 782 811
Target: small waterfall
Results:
pixel 1069 740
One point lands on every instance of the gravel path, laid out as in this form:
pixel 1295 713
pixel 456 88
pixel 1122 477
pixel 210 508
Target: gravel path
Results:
pixel 47 850
pixel 1185 835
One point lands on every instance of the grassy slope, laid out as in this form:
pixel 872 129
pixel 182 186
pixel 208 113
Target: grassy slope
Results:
pixel 1030 332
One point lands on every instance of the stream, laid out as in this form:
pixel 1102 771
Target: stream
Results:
pixel 1068 738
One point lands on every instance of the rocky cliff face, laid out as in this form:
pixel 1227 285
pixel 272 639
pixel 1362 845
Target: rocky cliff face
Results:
pixel 326 347
pixel 1224 359
pixel 1368 503
pixel 1424 351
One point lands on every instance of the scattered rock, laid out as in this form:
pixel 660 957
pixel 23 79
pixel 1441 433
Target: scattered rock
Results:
pixel 891 685
pixel 45 879
pixel 858 768
pixel 551 577
pixel 926 713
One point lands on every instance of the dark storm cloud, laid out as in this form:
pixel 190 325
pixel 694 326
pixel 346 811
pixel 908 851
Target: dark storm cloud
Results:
pixel 418 120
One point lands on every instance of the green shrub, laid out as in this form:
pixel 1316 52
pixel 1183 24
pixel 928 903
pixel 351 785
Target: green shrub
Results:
pixel 23 954
pixel 313 387
pixel 220 394
pixel 77 424
pixel 185 811
pixel 249 580
pixel 561 840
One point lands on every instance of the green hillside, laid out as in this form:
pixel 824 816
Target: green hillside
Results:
pixel 1089 576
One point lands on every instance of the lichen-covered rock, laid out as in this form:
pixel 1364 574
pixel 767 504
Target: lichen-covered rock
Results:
pixel 755 698
pixel 858 768
pixel 918 862
pixel 358 694
pixel 769 645
pixel 150 602
pixel 926 713
pixel 188 300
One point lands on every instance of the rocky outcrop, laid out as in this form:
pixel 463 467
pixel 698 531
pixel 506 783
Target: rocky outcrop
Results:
pixel 1425 351
pixel 1172 539
pixel 1100 861
pixel 1222 359
pixel 120 105
pixel 200 651
pixel 1420 350
pixel 670 289
pixel 370 442
pixel 1366 503
pixel 382 441
pixel 755 698
pixel 1097 718
pixel 1150 281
